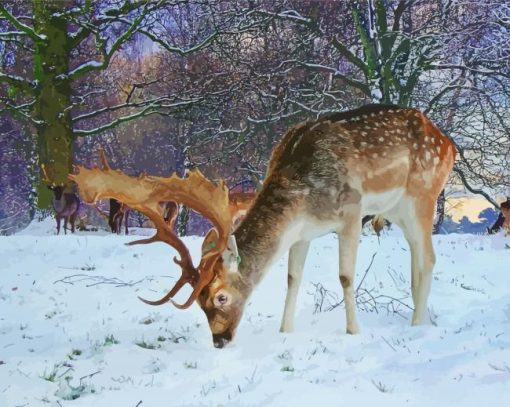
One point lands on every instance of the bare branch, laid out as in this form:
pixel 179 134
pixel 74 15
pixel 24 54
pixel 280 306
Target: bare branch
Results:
pixel 473 190
pixel 153 108
pixel 29 31
pixel 343 50
pixel 17 81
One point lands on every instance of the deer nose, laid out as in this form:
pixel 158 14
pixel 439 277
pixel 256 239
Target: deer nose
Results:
pixel 220 340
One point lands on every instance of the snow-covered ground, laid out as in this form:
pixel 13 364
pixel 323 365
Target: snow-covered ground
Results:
pixel 71 327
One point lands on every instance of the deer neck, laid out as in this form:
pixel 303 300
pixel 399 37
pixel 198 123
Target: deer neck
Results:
pixel 268 230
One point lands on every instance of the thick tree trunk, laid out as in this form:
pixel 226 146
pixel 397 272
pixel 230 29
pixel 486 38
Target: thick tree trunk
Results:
pixel 52 109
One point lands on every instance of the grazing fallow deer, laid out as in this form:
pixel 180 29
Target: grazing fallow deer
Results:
pixel 323 176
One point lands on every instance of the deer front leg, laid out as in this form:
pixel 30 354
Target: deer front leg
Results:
pixel 58 224
pixel 297 257
pixel 348 242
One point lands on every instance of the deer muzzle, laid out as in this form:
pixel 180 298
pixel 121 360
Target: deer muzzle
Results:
pixel 221 340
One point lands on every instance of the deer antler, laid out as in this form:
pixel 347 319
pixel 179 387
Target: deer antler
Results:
pixel 145 193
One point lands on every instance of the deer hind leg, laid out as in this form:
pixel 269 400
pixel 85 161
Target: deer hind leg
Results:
pixel 297 257
pixel 348 242
pixel 65 224
pixel 415 218
pixel 72 219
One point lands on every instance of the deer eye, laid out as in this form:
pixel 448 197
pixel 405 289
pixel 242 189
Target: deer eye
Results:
pixel 221 299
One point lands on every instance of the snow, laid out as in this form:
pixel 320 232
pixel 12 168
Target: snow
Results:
pixel 70 322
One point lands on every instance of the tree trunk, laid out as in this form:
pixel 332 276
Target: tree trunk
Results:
pixel 182 164
pixel 53 101
pixel 439 212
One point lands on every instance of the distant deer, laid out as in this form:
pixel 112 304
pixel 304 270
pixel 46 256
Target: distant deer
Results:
pixel 505 210
pixel 117 213
pixel 503 220
pixel 170 211
pixel 323 176
pixel 65 203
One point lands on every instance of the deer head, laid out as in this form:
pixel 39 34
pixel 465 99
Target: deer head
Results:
pixel 217 268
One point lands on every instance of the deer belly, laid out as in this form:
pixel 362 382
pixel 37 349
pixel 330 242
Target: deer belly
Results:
pixel 380 202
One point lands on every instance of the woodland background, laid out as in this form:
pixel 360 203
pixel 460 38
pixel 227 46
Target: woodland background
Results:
pixel 166 85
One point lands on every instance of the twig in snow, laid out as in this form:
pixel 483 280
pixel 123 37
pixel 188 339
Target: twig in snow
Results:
pixel 469 288
pixel 504 368
pixel 389 344
pixel 89 376
pixel 382 387
pixel 97 280
pixel 366 272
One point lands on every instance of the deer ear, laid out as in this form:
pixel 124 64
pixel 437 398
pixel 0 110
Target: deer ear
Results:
pixel 210 240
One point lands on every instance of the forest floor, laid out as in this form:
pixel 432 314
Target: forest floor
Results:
pixel 73 333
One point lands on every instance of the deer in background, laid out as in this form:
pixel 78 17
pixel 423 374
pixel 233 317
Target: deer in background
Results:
pixel 503 220
pixel 505 211
pixel 117 213
pixel 65 203
pixel 323 176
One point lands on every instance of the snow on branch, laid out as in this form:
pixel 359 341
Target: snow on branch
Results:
pixel 107 55
pixel 290 15
pixel 153 108
pixel 480 71
pixel 153 102
pixel 27 30
pixel 17 81
pixel 10 35
pixel 180 51
pixel 336 74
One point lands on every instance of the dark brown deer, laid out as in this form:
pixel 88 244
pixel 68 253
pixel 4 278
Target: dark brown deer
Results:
pixel 503 220
pixel 118 213
pixel 323 176
pixel 170 212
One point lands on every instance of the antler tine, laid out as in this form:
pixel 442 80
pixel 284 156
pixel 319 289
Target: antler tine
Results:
pixel 213 204
pixel 104 160
pixel 167 235
pixel 145 193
